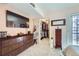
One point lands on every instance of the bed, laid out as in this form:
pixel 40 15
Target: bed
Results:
pixel 72 50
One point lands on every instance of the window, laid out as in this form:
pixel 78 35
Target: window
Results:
pixel 75 29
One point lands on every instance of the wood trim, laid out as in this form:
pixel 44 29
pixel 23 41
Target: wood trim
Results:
pixel 15 14
pixel 64 22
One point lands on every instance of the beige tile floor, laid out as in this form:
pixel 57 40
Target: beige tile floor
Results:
pixel 41 49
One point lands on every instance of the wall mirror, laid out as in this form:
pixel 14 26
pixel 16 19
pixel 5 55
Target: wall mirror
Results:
pixel 16 20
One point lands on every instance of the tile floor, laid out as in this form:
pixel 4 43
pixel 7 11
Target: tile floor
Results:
pixel 41 49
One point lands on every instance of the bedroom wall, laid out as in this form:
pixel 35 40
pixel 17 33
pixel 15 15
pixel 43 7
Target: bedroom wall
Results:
pixel 12 31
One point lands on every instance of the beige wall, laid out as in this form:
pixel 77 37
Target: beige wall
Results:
pixel 12 31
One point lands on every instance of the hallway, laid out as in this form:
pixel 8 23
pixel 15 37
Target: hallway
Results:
pixel 41 49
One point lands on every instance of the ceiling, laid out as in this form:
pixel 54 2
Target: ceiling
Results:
pixel 47 6
pixel 26 9
pixel 42 8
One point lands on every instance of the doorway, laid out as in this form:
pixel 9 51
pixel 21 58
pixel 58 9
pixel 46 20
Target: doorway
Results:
pixel 58 37
pixel 44 29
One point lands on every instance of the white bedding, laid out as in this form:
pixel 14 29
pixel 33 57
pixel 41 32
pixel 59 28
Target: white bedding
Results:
pixel 72 50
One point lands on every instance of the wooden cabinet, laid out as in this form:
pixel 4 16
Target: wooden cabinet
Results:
pixel 0 47
pixel 58 37
pixel 15 45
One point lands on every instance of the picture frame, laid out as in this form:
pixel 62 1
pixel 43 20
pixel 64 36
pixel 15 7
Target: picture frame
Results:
pixel 59 22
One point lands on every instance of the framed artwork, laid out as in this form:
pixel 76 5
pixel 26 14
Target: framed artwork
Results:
pixel 59 22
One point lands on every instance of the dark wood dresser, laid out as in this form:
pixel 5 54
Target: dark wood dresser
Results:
pixel 12 46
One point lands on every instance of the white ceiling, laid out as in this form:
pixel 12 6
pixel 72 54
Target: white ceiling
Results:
pixel 26 9
pixel 48 6
pixel 44 7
